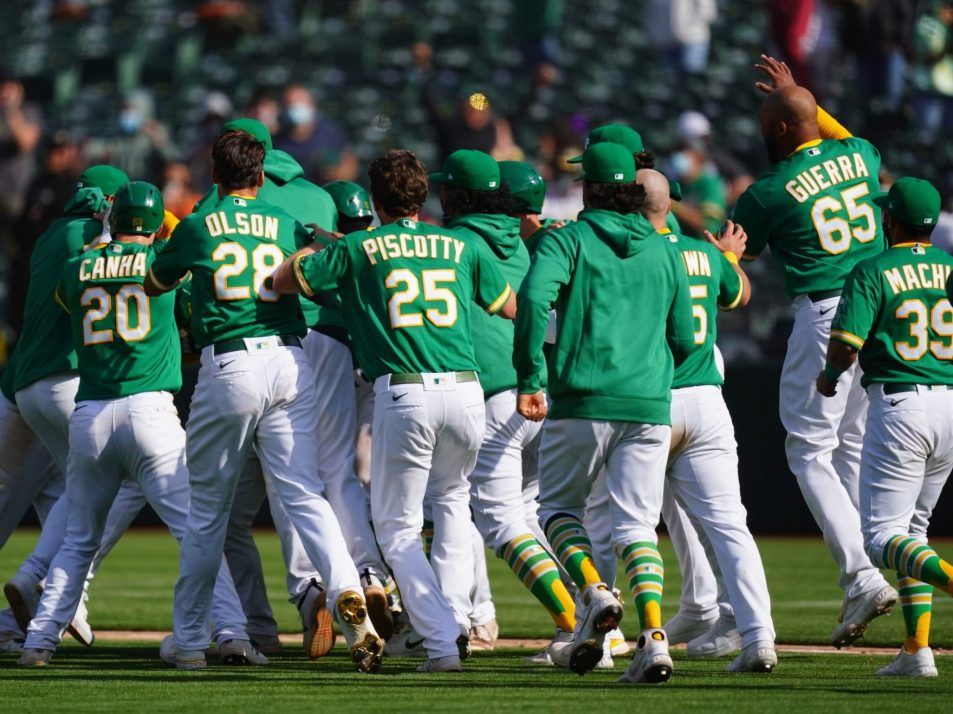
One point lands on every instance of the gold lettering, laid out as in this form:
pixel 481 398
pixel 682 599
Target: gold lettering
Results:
pixel 820 177
pixel 241 220
pixel 860 168
pixel 846 168
pixel 458 249
pixel 799 194
pixel 393 248
pixel 831 168
pixel 370 248
pixel 84 273
pixel 213 225
pixel 910 276
pixel 405 249
pixel 271 227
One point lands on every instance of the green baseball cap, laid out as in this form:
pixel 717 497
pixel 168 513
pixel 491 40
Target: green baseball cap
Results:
pixel 525 185
pixel 106 178
pixel 607 162
pixel 469 168
pixel 617 134
pixel 350 199
pixel 912 200
pixel 137 209
pixel 250 126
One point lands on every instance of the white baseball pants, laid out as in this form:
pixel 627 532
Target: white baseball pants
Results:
pixel 699 597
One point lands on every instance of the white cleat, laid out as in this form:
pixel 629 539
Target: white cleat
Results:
pixel 79 626
pixel 23 593
pixel 268 645
pixel 618 647
pixel 35 658
pixel 240 652
pixel 722 639
pixel 406 643
pixel 441 664
pixel 366 648
pixel 549 655
pixel 602 613
pixel 316 622
pixel 758 657
pixel 651 663
pixel 920 664
pixel 857 613
pixel 11 643
pixel 682 628
pixel 185 660
pixel 483 637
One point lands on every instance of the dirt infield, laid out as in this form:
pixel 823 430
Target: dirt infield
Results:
pixel 530 645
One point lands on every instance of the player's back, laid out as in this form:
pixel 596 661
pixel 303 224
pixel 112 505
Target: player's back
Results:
pixel 815 210
pixel 126 342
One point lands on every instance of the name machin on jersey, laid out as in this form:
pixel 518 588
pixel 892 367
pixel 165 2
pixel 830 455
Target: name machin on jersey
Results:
pixel 112 266
pixel 924 276
pixel 408 245
pixel 822 176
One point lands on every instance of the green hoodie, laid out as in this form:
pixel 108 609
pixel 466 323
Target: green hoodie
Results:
pixel 287 188
pixel 623 310
pixel 499 236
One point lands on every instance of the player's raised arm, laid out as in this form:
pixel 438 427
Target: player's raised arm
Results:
pixel 732 241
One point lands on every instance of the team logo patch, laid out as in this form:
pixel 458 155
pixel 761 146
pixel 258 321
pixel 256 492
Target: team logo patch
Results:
pixel 619 177
pixel 814 152
pixel 137 223
pixel 492 184
pixel 240 201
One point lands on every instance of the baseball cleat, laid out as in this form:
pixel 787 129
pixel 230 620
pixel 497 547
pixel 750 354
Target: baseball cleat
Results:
pixel 316 621
pixel 919 664
pixel 682 628
pixel 463 646
pixel 35 658
pixel 23 593
pixel 268 645
pixel 11 643
pixel 406 643
pixel 441 664
pixel 240 652
pixel 79 627
pixel 722 639
pixel 548 656
pixel 857 613
pixel 378 606
pixel 651 663
pixel 618 647
pixel 185 659
pixel 483 637
pixel 758 657
pixel 602 613
pixel 366 648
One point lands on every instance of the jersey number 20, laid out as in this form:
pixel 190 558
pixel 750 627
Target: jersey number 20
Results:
pixel 129 300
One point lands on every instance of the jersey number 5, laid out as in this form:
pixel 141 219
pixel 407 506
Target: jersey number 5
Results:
pixel 833 230
pixel 432 293
pixel 265 258
pixel 129 300
pixel 939 320
pixel 699 292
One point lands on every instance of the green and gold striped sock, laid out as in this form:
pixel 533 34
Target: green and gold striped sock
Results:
pixel 427 535
pixel 571 544
pixel 540 574
pixel 916 600
pixel 645 572
pixel 915 559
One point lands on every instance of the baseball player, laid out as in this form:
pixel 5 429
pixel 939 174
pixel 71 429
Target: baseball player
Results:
pixel 895 316
pixel 406 287
pixel 124 425
pixel 608 410
pixel 254 391
pixel 496 482
pixel 814 209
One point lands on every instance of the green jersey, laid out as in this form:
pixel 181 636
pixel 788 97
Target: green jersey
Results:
pixel 708 193
pixel 712 284
pixel 231 249
pixel 126 342
pixel 286 187
pixel 499 237
pixel 406 289
pixel 895 310
pixel 815 210
pixel 623 311
pixel 45 346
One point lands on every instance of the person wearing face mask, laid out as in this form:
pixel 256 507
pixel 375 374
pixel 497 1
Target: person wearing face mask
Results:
pixel 317 142
pixel 703 205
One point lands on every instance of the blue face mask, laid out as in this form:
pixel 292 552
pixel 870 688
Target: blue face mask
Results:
pixel 680 165
pixel 300 114
pixel 130 121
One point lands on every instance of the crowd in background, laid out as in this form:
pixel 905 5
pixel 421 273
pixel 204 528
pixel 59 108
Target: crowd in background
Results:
pixel 893 56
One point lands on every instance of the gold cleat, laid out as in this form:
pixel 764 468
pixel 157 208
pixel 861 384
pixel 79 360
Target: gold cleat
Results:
pixel 365 646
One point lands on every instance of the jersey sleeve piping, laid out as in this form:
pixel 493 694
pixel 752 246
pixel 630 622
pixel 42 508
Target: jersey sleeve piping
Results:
pixel 159 284
pixel 300 279
pixel 498 304
pixel 848 338
pixel 734 303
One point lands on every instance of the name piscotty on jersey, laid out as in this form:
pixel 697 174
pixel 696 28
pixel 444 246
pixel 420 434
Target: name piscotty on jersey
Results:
pixel 99 267
pixel 826 174
pixel 406 245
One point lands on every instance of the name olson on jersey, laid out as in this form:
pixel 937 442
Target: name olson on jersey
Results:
pixel 826 174
pixel 113 266
pixel 255 224
pixel 412 246
pixel 922 276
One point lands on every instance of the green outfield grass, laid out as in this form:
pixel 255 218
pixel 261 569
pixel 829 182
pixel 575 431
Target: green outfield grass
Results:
pixel 134 591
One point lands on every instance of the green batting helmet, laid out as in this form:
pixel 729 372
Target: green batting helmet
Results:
pixel 525 185
pixel 137 209
pixel 350 199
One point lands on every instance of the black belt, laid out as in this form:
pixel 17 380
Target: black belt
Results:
pixel 238 345
pixel 415 378
pixel 903 388
pixel 824 295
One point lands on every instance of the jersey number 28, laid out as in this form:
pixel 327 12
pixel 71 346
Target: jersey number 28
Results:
pixel 264 259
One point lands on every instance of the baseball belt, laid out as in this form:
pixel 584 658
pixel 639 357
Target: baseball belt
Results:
pixel 903 388
pixel 238 345
pixel 415 378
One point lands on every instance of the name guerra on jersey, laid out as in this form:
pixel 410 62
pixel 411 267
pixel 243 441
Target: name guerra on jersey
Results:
pixel 113 266
pixel 413 246
pixel 924 275
pixel 828 173
pixel 255 224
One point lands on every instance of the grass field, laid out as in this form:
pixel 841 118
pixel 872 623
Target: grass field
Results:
pixel 134 592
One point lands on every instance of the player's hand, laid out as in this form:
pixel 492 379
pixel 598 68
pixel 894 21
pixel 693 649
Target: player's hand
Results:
pixel 826 387
pixel 731 239
pixel 778 73
pixel 532 406
pixel 323 237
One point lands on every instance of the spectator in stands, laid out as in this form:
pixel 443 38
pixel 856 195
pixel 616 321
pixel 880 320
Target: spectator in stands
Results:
pixel 536 25
pixel 942 236
pixel 704 203
pixel 559 143
pixel 933 73
pixel 265 107
pixel 178 190
pixel 317 142
pixel 681 31
pixel 803 32
pixel 20 129
pixel 218 109
pixel 141 147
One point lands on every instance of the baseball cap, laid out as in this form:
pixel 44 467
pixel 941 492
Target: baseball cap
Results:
pixel 607 162
pixel 693 127
pixel 250 126
pixel 912 201
pixel 104 177
pixel 617 134
pixel 469 168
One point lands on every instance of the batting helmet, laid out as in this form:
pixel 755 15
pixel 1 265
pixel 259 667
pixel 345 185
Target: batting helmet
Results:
pixel 137 209
pixel 525 185
pixel 350 199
